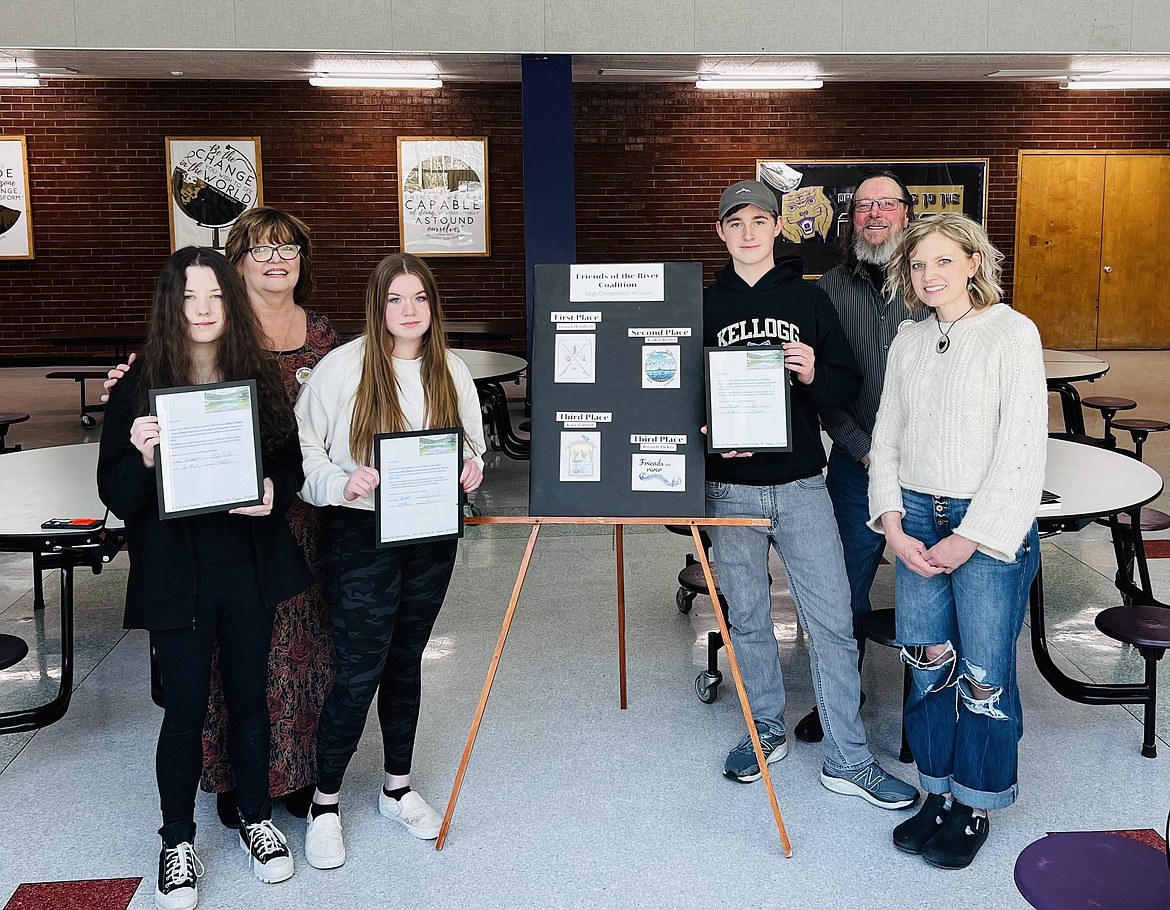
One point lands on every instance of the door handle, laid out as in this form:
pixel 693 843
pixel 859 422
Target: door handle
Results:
pixel 1108 268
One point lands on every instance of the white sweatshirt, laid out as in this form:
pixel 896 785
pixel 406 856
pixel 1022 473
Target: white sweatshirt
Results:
pixel 970 423
pixel 325 411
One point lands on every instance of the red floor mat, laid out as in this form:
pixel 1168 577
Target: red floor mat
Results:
pixel 100 894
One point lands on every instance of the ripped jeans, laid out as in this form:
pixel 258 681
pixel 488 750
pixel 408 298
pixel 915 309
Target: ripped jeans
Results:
pixel 963 715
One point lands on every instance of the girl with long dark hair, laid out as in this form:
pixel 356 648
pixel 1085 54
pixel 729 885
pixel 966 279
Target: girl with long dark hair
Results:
pixel 201 580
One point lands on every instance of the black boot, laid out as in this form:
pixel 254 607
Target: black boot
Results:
pixel 911 836
pixel 958 840
pixel 808 729
pixel 299 800
pixel 227 810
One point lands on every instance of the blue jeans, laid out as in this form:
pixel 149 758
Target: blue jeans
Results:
pixel 848 484
pixel 963 716
pixel 804 533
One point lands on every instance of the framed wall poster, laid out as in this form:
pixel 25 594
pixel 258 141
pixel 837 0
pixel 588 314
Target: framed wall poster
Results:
pixel 211 181
pixel 16 236
pixel 443 196
pixel 813 213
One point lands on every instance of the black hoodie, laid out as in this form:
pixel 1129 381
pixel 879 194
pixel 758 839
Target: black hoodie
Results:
pixel 782 307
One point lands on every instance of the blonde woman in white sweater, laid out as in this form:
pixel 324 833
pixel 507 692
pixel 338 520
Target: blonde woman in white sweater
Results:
pixel 956 472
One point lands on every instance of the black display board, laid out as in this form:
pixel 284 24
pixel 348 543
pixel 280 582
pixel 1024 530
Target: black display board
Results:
pixel 617 388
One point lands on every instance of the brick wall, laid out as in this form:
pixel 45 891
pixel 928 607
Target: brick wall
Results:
pixel 651 161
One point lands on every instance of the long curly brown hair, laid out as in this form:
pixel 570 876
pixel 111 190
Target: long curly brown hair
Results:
pixel 376 408
pixel 166 355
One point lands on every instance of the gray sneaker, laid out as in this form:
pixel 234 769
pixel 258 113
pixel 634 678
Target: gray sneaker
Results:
pixel 741 762
pixel 873 785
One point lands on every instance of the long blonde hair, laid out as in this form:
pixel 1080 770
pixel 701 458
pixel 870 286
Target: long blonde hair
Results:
pixel 376 408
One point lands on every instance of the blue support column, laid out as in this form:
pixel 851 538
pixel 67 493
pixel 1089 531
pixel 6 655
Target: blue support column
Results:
pixel 550 209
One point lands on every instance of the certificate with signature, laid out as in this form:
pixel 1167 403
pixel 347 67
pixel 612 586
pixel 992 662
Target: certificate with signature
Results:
pixel 418 496
pixel 208 457
pixel 748 398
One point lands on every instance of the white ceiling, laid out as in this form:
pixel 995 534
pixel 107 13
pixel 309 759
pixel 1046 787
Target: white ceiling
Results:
pixel 488 68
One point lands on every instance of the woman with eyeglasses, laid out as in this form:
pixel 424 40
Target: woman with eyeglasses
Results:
pixel 272 252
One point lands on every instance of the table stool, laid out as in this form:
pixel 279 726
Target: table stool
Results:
pixel 1082 870
pixel 685 595
pixel 1148 630
pixel 7 420
pixel 880 626
pixel 692 581
pixel 1139 429
pixel 12 650
pixel 1109 406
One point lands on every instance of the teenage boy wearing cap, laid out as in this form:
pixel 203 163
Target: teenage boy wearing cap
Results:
pixel 759 301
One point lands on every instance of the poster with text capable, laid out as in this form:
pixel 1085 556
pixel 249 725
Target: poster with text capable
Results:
pixel 617 390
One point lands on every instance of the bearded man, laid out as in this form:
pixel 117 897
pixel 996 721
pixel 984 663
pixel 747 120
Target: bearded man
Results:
pixel 879 211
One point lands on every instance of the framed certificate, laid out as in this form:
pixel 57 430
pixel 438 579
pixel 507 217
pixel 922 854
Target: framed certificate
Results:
pixel 208 457
pixel 418 496
pixel 748 400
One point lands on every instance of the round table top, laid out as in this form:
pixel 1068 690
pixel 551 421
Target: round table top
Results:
pixel 1069 366
pixel 1093 482
pixel 56 482
pixel 1083 870
pixel 488 365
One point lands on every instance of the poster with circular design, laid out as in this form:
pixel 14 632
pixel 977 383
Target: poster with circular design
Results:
pixel 443 195
pixel 211 181
pixel 16 239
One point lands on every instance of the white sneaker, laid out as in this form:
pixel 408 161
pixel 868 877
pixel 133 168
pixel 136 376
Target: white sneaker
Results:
pixel 178 878
pixel 267 852
pixel 413 813
pixel 324 845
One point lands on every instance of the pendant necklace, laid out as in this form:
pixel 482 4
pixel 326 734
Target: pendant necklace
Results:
pixel 288 328
pixel 945 342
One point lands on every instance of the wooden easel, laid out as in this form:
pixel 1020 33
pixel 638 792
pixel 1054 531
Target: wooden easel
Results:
pixel 618 524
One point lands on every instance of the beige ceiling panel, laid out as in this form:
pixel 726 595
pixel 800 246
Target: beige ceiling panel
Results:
pixel 469 25
pixel 1075 26
pixel 620 26
pixel 915 26
pixel 747 27
pixel 162 23
pixel 48 23
pixel 352 25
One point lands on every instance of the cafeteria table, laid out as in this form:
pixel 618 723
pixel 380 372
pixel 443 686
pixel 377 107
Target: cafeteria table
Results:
pixel 1092 483
pixel 1062 369
pixel 36 485
pixel 489 369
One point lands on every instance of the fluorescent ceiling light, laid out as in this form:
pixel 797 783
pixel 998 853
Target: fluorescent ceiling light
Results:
pixel 19 82
pixel 1106 84
pixel 327 81
pixel 720 82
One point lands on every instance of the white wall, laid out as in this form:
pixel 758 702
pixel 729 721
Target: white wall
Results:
pixel 598 26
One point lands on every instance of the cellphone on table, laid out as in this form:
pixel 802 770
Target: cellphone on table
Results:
pixel 72 524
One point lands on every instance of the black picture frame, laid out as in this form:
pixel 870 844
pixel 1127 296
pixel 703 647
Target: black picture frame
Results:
pixel 455 503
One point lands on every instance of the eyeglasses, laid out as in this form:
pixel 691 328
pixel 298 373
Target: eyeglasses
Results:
pixel 886 205
pixel 284 251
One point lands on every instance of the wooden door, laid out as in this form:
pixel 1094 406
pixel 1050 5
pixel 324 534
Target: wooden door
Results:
pixel 1134 282
pixel 1058 246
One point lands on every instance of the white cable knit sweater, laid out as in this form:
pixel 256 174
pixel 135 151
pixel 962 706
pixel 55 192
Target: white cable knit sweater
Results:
pixel 971 423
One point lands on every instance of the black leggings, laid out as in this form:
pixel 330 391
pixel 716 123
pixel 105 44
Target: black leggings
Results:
pixel 229 608
pixel 384 603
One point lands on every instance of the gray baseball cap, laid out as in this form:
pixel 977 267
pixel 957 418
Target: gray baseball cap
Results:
pixel 747 192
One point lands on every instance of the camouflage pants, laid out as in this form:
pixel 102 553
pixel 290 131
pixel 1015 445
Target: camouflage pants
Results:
pixel 384 603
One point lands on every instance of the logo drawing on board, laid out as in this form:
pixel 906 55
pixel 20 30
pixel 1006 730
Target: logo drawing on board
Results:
pixel 661 366
pixel 576 360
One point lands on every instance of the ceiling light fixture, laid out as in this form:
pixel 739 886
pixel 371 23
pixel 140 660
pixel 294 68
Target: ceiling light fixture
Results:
pixel 1115 84
pixel 22 81
pixel 726 82
pixel 325 80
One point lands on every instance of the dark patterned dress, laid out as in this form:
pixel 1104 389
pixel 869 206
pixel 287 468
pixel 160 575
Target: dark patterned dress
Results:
pixel 300 665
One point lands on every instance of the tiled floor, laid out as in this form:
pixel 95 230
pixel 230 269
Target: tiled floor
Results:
pixel 568 801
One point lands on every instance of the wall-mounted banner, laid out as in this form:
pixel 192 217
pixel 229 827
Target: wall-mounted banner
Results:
pixel 16 237
pixel 211 181
pixel 443 196
pixel 813 214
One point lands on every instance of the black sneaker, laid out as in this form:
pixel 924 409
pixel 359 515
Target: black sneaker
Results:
pixel 808 729
pixel 911 836
pixel 958 840
pixel 267 851
pixel 178 878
